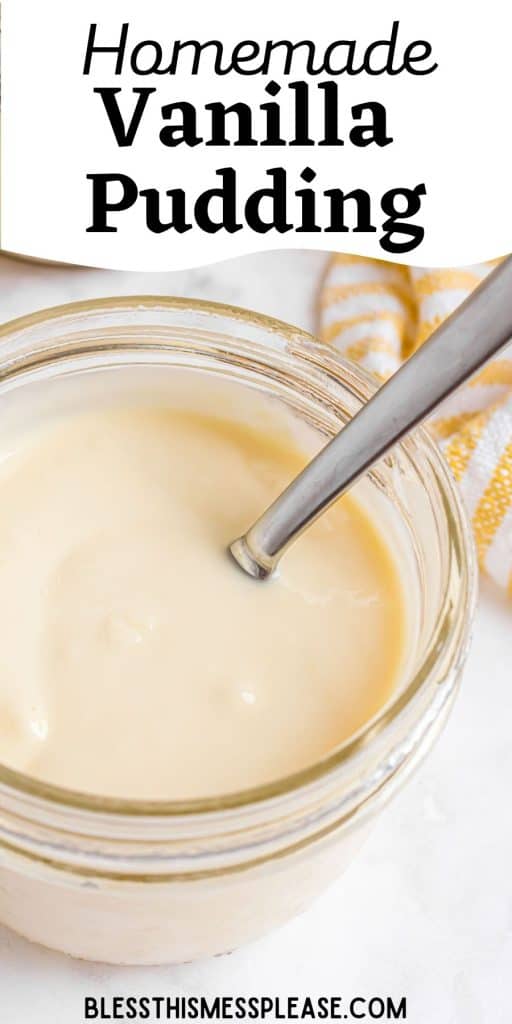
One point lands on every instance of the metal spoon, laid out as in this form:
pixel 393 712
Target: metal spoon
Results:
pixel 466 340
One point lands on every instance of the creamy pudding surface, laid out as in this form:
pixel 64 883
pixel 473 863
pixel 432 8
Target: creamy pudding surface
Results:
pixel 137 660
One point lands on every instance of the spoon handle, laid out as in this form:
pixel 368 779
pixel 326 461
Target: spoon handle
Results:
pixel 476 331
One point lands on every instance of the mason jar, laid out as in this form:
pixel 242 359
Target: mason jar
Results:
pixel 148 882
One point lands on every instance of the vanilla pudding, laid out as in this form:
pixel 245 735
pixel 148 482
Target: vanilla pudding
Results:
pixel 137 660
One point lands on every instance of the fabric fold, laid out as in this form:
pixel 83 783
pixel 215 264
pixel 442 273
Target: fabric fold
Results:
pixel 377 314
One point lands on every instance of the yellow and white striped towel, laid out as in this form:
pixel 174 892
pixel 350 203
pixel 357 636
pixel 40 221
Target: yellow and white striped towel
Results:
pixel 377 314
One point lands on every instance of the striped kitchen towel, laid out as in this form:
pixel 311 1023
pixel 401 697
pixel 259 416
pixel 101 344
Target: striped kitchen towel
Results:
pixel 377 314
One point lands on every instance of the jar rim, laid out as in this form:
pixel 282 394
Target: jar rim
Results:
pixel 453 623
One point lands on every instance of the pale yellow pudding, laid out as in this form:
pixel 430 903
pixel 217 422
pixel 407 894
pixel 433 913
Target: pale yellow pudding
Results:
pixel 136 659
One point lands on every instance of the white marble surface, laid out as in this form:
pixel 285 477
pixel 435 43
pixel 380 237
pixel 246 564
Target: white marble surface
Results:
pixel 426 910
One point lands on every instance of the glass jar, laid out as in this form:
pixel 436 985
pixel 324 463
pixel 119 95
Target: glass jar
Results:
pixel 139 882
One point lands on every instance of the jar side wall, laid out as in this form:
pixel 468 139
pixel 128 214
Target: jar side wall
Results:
pixel 133 922
pixel 173 922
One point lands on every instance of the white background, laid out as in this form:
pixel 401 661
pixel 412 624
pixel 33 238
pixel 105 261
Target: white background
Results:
pixel 451 128
pixel 426 910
